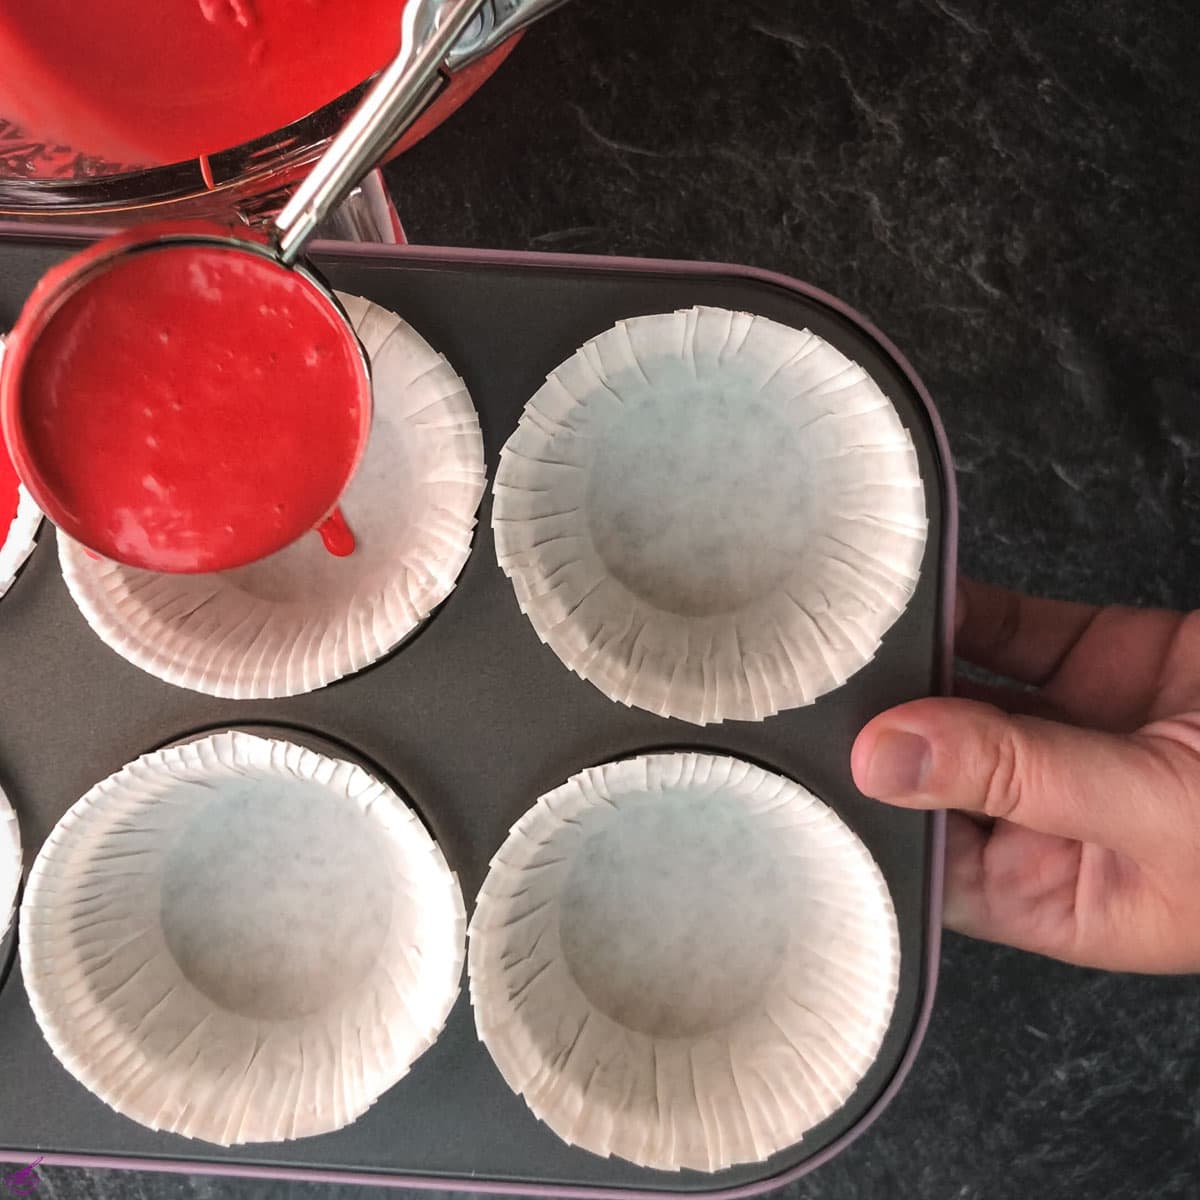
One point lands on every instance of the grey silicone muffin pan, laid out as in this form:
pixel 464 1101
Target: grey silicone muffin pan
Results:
pixel 472 720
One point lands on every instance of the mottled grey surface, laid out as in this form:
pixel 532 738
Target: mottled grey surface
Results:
pixel 1010 191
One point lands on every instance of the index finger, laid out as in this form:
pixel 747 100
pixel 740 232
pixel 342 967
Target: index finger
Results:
pixel 1022 637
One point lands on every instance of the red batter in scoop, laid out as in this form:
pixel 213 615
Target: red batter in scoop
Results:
pixel 150 81
pixel 189 408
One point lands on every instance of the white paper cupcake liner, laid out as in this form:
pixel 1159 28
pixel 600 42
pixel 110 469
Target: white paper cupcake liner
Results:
pixel 10 863
pixel 302 618
pixel 241 940
pixel 20 538
pixel 683 960
pixel 710 515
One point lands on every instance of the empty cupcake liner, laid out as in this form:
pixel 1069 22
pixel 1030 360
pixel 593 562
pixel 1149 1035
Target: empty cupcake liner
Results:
pixel 20 536
pixel 241 940
pixel 683 960
pixel 710 515
pixel 10 862
pixel 302 618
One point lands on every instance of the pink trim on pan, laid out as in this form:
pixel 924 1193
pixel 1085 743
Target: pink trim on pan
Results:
pixel 949 576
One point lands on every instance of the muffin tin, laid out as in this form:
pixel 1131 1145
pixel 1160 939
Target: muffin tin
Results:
pixel 471 721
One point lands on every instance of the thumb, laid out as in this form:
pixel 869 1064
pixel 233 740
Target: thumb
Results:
pixel 1121 792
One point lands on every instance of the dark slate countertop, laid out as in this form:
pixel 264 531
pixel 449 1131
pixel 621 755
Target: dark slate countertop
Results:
pixel 1010 192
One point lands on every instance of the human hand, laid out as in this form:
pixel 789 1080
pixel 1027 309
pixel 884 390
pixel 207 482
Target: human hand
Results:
pixel 1077 833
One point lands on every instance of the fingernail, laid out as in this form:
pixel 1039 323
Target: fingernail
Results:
pixel 960 607
pixel 897 766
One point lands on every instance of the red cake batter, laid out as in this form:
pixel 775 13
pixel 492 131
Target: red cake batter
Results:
pixel 190 408
pixel 154 81
pixel 8 492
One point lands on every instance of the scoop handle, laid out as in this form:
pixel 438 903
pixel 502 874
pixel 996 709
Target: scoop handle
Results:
pixel 429 30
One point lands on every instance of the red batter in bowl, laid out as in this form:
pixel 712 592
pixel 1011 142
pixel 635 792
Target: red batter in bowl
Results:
pixel 157 81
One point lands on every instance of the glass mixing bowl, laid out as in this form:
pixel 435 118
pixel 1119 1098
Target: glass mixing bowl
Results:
pixel 42 181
